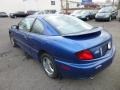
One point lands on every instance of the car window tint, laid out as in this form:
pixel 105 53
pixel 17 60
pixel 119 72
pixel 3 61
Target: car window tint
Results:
pixel 38 27
pixel 66 24
pixel 26 24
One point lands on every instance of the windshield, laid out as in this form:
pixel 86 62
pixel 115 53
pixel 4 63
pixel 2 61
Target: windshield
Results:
pixel 84 12
pixel 106 10
pixel 66 25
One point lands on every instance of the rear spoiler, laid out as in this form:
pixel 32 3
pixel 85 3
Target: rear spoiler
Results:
pixel 92 31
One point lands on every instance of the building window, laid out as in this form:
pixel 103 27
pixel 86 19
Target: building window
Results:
pixel 52 2
pixel 78 4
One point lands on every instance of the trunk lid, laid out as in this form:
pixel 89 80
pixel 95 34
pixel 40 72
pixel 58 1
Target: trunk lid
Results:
pixel 95 40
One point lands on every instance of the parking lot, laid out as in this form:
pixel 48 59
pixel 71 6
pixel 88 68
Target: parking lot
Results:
pixel 19 73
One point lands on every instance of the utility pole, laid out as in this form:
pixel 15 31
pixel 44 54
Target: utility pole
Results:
pixel 61 4
pixel 113 2
pixel 119 4
pixel 67 6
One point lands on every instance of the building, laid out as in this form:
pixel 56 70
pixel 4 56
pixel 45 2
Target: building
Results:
pixel 24 5
pixel 42 5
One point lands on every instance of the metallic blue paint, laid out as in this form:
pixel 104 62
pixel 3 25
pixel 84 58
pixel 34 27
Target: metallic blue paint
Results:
pixel 63 49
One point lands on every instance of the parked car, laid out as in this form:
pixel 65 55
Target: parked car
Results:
pixel 94 12
pixel 59 12
pixel 75 13
pixel 107 13
pixel 65 45
pixel 45 12
pixel 18 14
pixel 31 12
pixel 84 15
pixel 3 14
pixel 39 13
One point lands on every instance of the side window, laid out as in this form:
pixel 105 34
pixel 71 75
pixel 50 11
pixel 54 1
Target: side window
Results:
pixel 26 24
pixel 38 27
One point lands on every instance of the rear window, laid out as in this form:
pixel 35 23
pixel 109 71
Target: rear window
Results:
pixel 66 25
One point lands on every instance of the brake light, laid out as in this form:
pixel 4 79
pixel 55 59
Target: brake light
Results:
pixel 85 55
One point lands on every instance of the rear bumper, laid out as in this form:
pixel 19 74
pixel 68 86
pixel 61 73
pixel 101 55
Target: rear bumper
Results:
pixel 85 70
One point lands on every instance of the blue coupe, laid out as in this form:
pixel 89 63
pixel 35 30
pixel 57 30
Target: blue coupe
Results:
pixel 65 45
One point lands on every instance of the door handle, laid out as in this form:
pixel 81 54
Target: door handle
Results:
pixel 28 36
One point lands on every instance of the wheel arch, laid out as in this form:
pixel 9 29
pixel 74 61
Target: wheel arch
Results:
pixel 40 53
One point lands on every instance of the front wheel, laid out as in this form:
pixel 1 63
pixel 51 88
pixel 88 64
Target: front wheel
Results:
pixel 110 18
pixel 13 42
pixel 49 66
pixel 87 18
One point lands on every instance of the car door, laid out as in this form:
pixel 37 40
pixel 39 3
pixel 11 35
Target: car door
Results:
pixel 37 38
pixel 22 35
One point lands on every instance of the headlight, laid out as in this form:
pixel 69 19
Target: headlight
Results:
pixel 109 45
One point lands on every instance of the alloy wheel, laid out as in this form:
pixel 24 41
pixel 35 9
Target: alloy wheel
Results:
pixel 48 66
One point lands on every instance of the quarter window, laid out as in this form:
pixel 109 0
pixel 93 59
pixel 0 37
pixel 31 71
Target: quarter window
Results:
pixel 38 27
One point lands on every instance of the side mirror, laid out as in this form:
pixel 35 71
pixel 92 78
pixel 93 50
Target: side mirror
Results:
pixel 15 27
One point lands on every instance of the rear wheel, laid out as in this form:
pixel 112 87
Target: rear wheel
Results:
pixel 49 66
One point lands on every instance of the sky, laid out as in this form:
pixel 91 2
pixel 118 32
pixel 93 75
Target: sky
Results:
pixel 14 5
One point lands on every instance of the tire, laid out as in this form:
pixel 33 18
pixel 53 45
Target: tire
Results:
pixel 14 17
pixel 87 18
pixel 96 20
pixel 110 19
pixel 13 41
pixel 49 65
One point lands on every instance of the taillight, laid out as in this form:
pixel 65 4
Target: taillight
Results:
pixel 85 55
